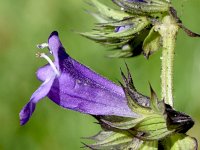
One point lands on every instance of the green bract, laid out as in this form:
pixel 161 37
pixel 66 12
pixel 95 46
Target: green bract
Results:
pixel 143 7
pixel 131 30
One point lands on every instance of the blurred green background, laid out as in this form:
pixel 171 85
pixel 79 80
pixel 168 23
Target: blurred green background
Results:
pixel 25 23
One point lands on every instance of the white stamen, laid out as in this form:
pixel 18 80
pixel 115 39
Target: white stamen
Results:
pixel 42 46
pixel 43 55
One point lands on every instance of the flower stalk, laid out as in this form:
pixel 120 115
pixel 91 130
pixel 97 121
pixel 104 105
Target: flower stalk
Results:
pixel 168 30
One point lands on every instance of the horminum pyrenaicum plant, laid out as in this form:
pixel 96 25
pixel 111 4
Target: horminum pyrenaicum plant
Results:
pixel 129 119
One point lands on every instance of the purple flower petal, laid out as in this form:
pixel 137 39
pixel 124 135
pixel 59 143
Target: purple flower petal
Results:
pixel 85 91
pixel 123 28
pixel 40 93
pixel 44 72
pixel 76 87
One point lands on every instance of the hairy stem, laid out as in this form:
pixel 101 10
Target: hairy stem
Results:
pixel 168 30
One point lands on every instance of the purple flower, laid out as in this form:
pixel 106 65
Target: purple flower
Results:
pixel 123 28
pixel 74 86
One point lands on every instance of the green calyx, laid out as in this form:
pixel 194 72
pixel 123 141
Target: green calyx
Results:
pixel 129 31
pixel 157 124
pixel 109 140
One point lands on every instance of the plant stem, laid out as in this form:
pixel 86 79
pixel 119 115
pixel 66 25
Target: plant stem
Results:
pixel 168 31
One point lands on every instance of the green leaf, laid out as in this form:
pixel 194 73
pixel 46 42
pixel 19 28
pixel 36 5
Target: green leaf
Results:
pixel 154 127
pixel 151 43
pixel 134 145
pixel 153 145
pixel 138 144
pixel 116 139
pixel 122 140
pixel 102 135
pixel 180 142
pixel 121 54
pixel 156 105
pixel 137 25
pixel 154 101
pixel 99 37
pixel 98 17
pixel 141 8
pixel 121 122
pixel 108 12
pixel 134 105
pixel 127 21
